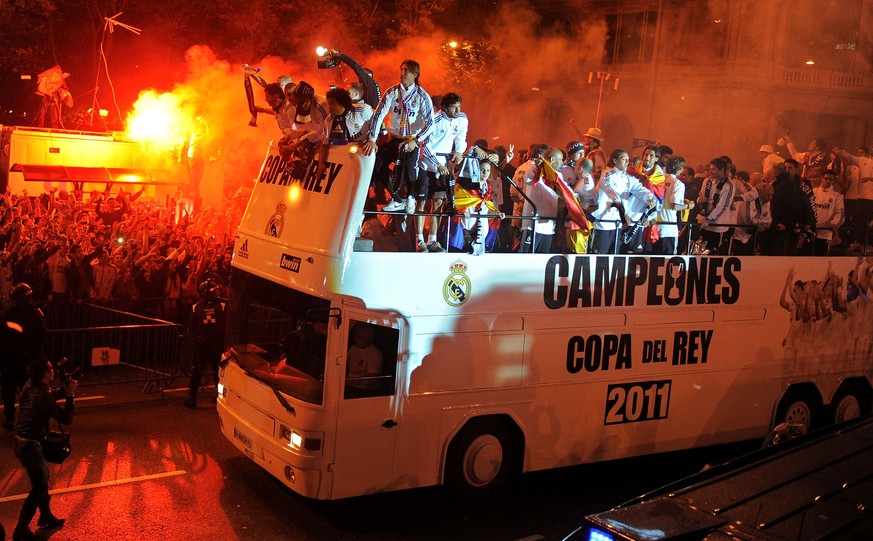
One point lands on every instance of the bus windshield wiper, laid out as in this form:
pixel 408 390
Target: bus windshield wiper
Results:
pixel 288 407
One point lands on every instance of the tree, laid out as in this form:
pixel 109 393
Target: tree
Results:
pixel 25 34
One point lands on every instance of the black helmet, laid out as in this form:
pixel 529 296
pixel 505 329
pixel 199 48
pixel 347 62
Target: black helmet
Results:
pixel 21 293
pixel 208 289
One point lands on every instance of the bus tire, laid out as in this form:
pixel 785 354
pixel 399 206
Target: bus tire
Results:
pixel 481 459
pixel 851 401
pixel 799 405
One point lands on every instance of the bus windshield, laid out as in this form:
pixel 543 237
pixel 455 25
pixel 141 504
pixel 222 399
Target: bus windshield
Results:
pixel 278 335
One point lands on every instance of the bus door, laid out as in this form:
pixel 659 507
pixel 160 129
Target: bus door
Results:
pixel 367 423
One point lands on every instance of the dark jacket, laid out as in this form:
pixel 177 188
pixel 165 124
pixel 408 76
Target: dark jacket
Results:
pixel 80 277
pixel 790 205
pixel 39 406
pixel 27 345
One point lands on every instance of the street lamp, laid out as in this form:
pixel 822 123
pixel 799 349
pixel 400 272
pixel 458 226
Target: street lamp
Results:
pixel 603 76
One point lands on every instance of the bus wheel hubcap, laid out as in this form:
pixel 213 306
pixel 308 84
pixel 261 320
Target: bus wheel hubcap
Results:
pixel 799 413
pixel 482 460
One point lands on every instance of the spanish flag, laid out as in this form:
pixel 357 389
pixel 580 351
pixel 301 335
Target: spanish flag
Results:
pixel 656 182
pixel 565 193
pixel 473 200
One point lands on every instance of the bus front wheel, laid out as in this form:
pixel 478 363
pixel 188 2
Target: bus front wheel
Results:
pixel 799 407
pixel 481 459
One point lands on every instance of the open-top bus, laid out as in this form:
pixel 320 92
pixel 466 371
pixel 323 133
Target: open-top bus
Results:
pixel 478 368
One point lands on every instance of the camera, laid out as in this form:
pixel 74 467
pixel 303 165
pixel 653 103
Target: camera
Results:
pixel 327 63
pixel 64 371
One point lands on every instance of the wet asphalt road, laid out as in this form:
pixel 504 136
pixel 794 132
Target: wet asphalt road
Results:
pixel 155 470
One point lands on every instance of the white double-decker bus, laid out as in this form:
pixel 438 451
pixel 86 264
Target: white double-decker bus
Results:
pixel 351 371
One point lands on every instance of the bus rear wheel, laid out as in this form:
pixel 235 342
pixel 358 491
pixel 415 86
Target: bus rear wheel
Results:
pixel 850 402
pixel 481 459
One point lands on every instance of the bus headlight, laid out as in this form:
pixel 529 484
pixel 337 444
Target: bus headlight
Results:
pixel 302 442
pixel 222 392
pixel 291 437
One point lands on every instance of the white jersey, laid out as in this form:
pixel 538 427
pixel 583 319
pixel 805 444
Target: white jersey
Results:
pixel 546 201
pixel 365 112
pixel 674 194
pixel 313 129
pixel 285 117
pixel 522 178
pixel 356 124
pixel 445 135
pixel 829 211
pixel 865 171
pixel 723 211
pixel 407 112
pixel 617 187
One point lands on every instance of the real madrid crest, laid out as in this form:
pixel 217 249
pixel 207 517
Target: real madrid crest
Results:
pixel 457 287
pixel 277 222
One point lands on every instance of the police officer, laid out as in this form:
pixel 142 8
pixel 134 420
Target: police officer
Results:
pixel 38 406
pixel 206 324
pixel 19 349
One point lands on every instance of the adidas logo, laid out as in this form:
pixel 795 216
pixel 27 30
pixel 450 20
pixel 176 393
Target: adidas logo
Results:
pixel 243 251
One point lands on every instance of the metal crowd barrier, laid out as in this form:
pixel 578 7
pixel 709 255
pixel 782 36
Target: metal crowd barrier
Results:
pixel 106 346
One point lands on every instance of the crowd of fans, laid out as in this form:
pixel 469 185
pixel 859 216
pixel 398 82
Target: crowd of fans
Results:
pixel 120 250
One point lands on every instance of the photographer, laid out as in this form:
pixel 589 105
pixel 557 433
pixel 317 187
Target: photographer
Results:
pixel 206 325
pixel 38 406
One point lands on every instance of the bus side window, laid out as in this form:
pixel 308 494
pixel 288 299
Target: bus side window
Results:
pixel 371 360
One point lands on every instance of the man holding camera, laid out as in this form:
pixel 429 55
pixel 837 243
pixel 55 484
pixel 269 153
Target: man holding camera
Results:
pixel 38 406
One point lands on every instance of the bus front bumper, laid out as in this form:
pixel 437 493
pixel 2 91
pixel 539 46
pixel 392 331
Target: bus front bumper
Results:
pixel 270 454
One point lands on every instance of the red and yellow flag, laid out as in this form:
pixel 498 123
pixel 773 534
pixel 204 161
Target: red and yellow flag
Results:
pixel 574 209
